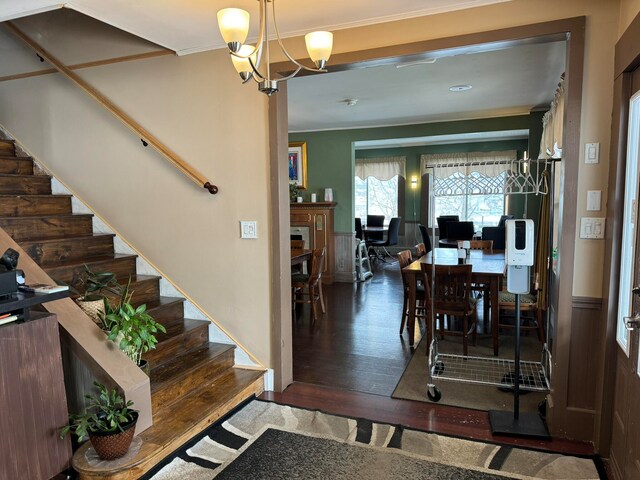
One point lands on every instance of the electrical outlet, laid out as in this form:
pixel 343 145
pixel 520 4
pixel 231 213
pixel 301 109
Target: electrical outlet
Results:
pixel 248 229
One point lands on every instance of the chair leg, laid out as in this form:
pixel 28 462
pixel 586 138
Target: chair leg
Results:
pixel 465 335
pixel 474 332
pixel 321 296
pixel 313 299
pixel 405 313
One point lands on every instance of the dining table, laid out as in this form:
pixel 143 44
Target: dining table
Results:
pixel 487 269
pixel 300 256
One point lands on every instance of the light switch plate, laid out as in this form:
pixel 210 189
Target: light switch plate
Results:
pixel 248 229
pixel 592 227
pixel 594 198
pixel 592 153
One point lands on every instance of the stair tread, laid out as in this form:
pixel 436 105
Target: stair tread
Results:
pixel 56 215
pixel 174 427
pixel 54 240
pixel 37 195
pixel 91 260
pixel 17 175
pixel 12 157
pixel 165 375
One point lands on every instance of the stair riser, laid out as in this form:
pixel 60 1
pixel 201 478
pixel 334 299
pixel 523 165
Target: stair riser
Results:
pixel 16 166
pixel 197 376
pixel 82 248
pixel 26 228
pixel 24 206
pixel 168 315
pixel 123 268
pixel 7 148
pixel 168 349
pixel 143 292
pixel 25 185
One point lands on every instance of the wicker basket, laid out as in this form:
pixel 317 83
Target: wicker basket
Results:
pixel 91 308
pixel 110 446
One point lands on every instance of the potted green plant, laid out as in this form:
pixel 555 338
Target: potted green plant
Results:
pixel 108 422
pixel 133 329
pixel 92 288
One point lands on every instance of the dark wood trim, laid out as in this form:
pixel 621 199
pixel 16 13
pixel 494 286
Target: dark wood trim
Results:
pixel 97 63
pixel 282 335
pixel 587 303
pixel 552 31
pixel 627 57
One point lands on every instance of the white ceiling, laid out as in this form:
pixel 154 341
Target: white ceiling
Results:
pixel 188 26
pixel 505 82
pixel 455 138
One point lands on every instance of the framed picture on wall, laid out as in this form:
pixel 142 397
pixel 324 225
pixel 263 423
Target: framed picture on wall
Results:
pixel 298 163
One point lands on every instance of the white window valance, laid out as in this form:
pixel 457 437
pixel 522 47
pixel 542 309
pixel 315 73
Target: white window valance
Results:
pixel 472 173
pixel 383 168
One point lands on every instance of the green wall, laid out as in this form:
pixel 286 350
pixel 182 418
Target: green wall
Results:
pixel 330 156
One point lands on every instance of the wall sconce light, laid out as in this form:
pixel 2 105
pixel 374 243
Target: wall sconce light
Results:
pixel 414 182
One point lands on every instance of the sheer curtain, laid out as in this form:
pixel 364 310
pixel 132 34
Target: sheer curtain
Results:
pixel 383 168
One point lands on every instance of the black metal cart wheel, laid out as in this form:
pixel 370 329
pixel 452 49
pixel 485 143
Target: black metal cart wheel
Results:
pixel 434 396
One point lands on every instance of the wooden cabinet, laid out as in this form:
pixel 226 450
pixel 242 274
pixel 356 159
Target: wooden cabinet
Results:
pixel 33 400
pixel 317 219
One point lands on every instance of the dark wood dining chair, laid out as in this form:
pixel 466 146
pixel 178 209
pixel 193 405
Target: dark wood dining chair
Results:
pixel 451 297
pixel 421 305
pixel 297 244
pixel 421 250
pixel 309 287
pixel 528 304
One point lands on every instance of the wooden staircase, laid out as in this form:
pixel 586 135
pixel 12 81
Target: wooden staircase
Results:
pixel 193 381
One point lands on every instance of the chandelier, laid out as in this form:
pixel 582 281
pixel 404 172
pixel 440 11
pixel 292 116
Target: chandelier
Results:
pixel 234 27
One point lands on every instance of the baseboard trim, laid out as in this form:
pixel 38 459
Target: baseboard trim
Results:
pixel 586 303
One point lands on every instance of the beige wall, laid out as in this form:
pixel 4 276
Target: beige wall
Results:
pixel 628 11
pixel 198 108
pixel 602 28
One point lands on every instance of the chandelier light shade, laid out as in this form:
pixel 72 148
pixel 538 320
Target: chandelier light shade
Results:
pixel 234 27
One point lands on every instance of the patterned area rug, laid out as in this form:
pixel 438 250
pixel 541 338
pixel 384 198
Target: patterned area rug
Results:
pixel 270 441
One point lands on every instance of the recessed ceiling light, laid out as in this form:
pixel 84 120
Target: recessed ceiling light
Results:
pixel 460 88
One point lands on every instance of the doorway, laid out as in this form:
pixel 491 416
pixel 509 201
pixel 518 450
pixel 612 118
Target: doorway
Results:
pixel 553 31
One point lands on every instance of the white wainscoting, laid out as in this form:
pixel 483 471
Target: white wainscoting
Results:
pixel 345 270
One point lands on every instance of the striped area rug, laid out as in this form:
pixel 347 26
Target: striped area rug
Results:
pixel 266 440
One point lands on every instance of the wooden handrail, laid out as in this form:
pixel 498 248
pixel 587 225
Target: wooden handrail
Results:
pixel 145 136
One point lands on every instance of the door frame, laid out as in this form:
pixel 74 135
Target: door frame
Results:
pixel 627 59
pixel 572 30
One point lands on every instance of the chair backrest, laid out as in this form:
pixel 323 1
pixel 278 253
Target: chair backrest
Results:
pixel 460 230
pixel 317 266
pixel 375 221
pixel 394 231
pixel 485 245
pixel 451 289
pixel 426 240
pixel 421 250
pixel 504 218
pixel 443 220
pixel 297 244
pixel 359 234
pixel 497 235
pixel 404 260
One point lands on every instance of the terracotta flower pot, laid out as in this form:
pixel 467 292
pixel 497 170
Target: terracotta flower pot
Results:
pixel 110 446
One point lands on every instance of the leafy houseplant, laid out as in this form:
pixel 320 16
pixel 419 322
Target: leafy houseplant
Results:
pixel 95 286
pixel 131 328
pixel 107 421
pixel 293 190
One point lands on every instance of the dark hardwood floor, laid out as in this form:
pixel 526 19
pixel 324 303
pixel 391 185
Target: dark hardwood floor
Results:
pixel 349 361
pixel 355 345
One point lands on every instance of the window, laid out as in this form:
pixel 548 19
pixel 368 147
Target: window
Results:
pixel 376 186
pixel 376 197
pixel 471 185
pixel 481 209
pixel 628 253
